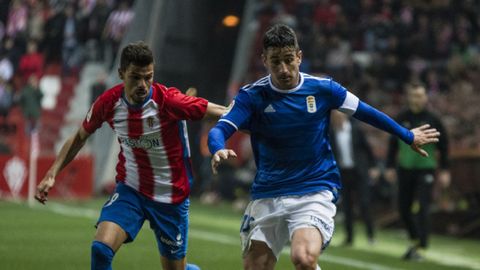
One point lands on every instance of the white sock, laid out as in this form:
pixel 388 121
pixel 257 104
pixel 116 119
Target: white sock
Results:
pixel 318 267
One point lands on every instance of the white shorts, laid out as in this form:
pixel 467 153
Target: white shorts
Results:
pixel 274 220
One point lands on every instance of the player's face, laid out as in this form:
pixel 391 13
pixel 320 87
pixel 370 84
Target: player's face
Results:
pixel 137 81
pixel 284 66
pixel 417 99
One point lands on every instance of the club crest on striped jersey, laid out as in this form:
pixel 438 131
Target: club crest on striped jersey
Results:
pixel 311 104
pixel 150 121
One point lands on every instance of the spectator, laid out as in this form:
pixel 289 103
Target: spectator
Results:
pixel 96 23
pixel 31 62
pixel 6 98
pixel 54 30
pixel 17 19
pixel 30 102
pixel 71 52
pixel 36 23
pixel 116 26
pixel 355 160
pixel 416 176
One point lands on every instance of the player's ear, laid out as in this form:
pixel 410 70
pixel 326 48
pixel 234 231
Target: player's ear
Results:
pixel 264 59
pixel 300 56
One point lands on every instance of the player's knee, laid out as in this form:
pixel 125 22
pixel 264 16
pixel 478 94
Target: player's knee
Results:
pixel 304 260
pixel 102 256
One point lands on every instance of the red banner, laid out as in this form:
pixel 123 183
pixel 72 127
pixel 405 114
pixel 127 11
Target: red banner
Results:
pixel 74 182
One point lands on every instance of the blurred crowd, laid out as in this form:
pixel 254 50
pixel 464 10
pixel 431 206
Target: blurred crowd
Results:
pixel 38 34
pixel 376 47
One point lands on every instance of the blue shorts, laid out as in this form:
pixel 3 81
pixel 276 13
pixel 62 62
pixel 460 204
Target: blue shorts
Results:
pixel 129 209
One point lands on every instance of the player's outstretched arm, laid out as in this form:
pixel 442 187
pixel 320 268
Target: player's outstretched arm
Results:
pixel 68 152
pixel 423 135
pixel 221 155
pixel 215 111
pixel 416 137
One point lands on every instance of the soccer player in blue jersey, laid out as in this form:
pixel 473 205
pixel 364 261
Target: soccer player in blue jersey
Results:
pixel 297 181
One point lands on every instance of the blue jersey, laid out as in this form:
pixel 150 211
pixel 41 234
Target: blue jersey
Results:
pixel 289 134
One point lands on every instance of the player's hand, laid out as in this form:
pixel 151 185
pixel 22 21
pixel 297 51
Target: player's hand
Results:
pixel 43 187
pixel 423 135
pixel 221 155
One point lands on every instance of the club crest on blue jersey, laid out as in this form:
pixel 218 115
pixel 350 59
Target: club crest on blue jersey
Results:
pixel 311 104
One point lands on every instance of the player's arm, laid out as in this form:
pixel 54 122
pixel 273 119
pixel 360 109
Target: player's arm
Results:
pixel 350 104
pixel 416 137
pixel 214 111
pixel 68 152
pixel 226 126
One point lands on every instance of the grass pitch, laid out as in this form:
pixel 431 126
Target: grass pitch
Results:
pixel 58 236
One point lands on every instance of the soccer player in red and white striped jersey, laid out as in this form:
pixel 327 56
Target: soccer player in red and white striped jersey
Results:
pixel 153 169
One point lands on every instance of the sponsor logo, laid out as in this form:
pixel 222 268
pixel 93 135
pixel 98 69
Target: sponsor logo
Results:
pixel 322 224
pixel 112 199
pixel 311 104
pixel 269 109
pixel 178 242
pixel 144 142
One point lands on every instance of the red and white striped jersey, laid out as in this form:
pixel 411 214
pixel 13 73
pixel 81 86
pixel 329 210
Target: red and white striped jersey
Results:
pixel 155 155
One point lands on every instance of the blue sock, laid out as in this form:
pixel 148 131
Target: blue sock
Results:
pixel 192 267
pixel 102 256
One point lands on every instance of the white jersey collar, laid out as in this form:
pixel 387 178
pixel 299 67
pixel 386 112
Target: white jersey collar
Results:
pixel 299 85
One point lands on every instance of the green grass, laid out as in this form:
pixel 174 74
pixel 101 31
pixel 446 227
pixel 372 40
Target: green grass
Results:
pixel 59 236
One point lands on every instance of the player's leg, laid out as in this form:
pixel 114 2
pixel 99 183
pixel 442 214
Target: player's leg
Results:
pixel 263 233
pixel 259 256
pixel 425 187
pixel 108 239
pixel 120 220
pixel 407 188
pixel 306 248
pixel 170 225
pixel 406 194
pixel 311 225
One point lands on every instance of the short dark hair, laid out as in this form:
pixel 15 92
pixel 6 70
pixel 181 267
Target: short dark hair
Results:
pixel 279 36
pixel 137 53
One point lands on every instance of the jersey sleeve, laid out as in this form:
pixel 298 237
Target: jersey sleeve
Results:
pixel 95 116
pixel 342 99
pixel 182 107
pixel 239 114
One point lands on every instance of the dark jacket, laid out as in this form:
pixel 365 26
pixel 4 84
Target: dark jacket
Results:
pixel 362 152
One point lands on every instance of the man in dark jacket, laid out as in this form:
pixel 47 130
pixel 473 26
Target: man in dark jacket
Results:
pixel 355 159
pixel 416 176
